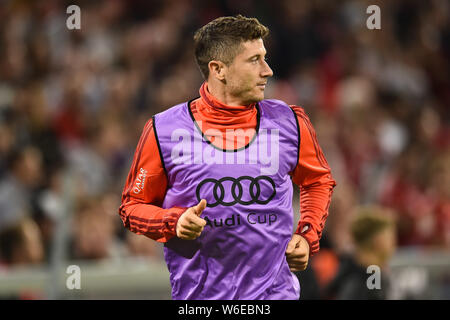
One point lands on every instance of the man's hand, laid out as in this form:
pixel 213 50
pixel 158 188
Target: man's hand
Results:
pixel 190 225
pixel 297 253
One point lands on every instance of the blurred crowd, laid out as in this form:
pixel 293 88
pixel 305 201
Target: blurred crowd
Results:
pixel 73 104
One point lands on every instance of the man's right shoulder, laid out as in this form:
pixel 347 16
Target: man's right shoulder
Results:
pixel 171 110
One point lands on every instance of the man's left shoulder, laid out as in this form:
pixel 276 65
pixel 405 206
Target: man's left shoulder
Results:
pixel 279 108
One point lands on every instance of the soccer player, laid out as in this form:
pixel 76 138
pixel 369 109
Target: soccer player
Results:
pixel 211 177
pixel 373 231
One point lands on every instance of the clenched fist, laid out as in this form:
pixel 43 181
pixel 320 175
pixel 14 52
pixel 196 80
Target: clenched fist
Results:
pixel 190 225
pixel 297 253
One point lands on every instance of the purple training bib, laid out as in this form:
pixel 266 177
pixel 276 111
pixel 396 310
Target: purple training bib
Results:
pixel 241 252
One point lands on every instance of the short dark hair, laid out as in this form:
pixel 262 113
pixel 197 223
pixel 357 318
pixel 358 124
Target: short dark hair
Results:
pixel 221 38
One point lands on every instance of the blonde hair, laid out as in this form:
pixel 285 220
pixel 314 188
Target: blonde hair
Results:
pixel 368 221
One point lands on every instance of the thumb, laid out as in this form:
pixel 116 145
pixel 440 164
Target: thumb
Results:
pixel 198 209
pixel 291 246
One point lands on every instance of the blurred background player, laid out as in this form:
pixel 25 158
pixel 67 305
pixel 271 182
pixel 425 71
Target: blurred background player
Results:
pixel 373 232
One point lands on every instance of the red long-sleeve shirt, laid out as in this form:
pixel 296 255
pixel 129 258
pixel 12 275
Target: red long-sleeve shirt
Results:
pixel 146 184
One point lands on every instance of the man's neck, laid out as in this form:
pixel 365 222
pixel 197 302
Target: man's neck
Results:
pixel 218 91
pixel 367 258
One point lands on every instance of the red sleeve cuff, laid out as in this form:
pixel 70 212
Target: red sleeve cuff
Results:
pixel 170 220
pixel 307 231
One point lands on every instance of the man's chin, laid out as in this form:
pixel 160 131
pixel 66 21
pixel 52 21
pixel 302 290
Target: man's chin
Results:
pixel 256 98
pixel 253 97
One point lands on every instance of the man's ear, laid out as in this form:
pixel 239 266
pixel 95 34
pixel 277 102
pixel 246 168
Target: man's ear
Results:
pixel 217 69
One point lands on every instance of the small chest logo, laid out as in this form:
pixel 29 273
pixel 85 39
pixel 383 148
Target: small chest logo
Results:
pixel 140 181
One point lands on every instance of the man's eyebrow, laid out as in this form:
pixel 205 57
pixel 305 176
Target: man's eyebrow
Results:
pixel 256 56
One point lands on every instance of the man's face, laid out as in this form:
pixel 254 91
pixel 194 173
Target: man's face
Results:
pixel 246 76
pixel 385 243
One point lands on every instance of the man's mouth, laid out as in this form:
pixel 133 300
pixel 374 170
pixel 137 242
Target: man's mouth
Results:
pixel 262 85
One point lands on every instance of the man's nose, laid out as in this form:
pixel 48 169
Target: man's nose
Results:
pixel 267 71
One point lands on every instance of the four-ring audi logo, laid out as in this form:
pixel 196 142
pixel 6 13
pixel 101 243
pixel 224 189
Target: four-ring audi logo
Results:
pixel 258 190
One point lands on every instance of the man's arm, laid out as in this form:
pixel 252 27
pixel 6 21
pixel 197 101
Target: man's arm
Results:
pixel 313 176
pixel 144 193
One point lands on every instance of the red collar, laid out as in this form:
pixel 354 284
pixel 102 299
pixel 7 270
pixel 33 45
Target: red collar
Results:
pixel 218 113
pixel 213 102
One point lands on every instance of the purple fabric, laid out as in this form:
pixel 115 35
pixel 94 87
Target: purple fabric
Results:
pixel 241 252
